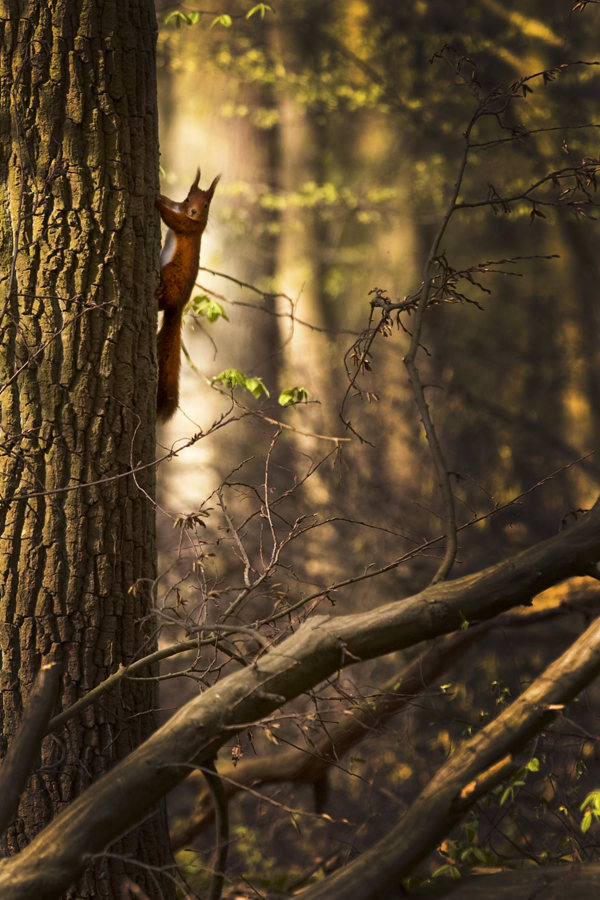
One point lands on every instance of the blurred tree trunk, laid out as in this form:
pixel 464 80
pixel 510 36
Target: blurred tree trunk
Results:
pixel 79 242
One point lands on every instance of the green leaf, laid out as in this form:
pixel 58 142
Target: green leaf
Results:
pixel 224 20
pixel 533 765
pixel 464 622
pixel 592 800
pixel 440 871
pixel 294 395
pixel 591 805
pixel 256 386
pixel 231 378
pixel 261 8
pixel 181 18
pixel 204 306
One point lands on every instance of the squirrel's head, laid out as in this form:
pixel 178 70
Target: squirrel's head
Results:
pixel 197 202
pixel 192 214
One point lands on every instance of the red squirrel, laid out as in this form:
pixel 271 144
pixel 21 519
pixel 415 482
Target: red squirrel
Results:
pixel 179 264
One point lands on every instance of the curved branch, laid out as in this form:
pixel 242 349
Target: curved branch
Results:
pixel 308 765
pixel 25 745
pixel 413 373
pixel 475 768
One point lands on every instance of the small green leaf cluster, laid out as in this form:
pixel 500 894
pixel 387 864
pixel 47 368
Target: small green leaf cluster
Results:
pixel 465 853
pixel 204 306
pixel 224 20
pixel 231 378
pixel 294 395
pixel 192 18
pixel 517 780
pixel 259 8
pixel 181 18
pixel 591 810
pixel 502 693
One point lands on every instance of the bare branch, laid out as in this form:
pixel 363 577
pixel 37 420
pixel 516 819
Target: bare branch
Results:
pixel 55 858
pixel 25 745
pixel 112 681
pixel 475 768
pixel 413 373
pixel 310 764
pixel 217 790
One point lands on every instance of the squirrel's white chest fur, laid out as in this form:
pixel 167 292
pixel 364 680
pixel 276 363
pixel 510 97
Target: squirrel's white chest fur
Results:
pixel 168 251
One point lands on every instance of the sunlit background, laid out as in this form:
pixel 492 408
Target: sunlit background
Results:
pixel 338 137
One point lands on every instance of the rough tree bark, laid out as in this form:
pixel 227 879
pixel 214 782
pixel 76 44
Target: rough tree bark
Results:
pixel 79 240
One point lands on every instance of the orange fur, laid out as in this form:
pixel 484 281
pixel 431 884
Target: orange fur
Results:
pixel 186 222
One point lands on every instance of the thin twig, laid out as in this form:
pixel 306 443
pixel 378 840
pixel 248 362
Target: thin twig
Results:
pixel 240 546
pixel 413 373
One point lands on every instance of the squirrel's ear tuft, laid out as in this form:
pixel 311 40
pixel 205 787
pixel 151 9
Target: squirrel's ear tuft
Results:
pixel 194 187
pixel 211 189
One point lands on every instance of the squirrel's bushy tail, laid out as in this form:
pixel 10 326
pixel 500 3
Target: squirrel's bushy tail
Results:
pixel 169 364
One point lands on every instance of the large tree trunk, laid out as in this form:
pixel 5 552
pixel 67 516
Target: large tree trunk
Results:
pixel 79 243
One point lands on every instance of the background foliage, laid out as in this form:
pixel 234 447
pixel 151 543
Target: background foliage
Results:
pixel 338 129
